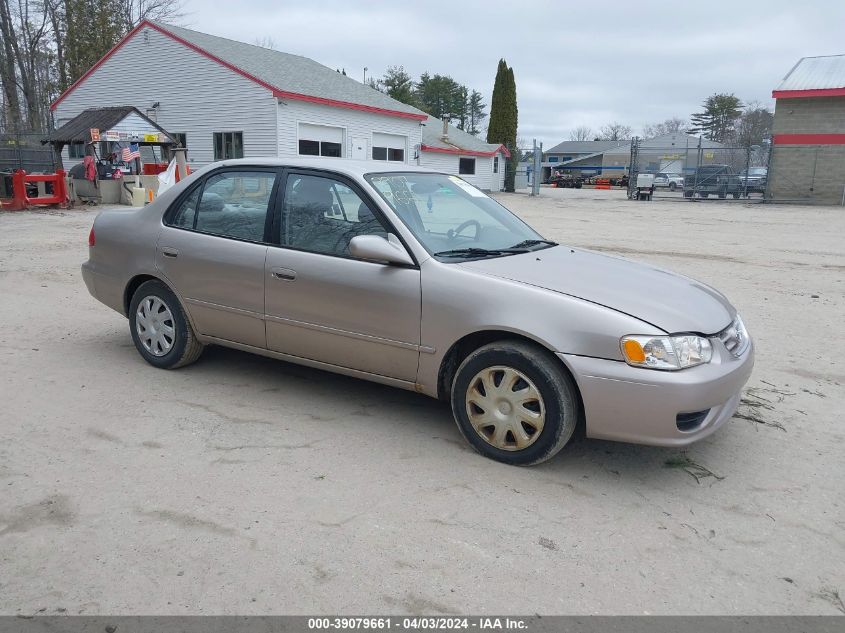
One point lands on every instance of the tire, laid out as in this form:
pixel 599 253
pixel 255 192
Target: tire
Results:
pixel 672 186
pixel 703 194
pixel 530 370
pixel 687 194
pixel 184 348
pixel 736 195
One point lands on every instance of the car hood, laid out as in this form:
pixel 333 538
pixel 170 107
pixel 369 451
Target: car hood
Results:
pixel 669 301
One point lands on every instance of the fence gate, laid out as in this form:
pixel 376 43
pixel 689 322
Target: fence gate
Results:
pixel 701 170
pixel 25 151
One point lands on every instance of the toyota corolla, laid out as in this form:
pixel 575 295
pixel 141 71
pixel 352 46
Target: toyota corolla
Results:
pixel 418 280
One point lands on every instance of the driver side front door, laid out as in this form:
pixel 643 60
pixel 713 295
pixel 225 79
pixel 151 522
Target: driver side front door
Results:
pixel 326 306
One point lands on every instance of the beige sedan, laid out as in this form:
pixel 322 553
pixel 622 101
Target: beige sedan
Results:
pixel 417 279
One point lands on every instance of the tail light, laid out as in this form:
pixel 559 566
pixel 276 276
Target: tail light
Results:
pixel 92 240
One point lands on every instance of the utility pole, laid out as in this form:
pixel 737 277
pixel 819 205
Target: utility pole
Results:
pixel 537 170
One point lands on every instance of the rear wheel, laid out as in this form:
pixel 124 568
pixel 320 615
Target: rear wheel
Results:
pixel 514 403
pixel 672 186
pixel 160 329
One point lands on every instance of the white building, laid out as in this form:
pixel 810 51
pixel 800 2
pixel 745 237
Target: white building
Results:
pixel 226 99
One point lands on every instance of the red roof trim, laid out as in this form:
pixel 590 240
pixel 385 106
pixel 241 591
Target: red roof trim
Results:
pixel 815 92
pixel 808 139
pixel 462 152
pixel 276 91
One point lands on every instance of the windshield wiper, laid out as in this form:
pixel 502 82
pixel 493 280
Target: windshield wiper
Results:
pixel 480 252
pixel 527 243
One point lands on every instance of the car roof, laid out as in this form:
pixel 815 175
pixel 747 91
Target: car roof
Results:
pixel 355 168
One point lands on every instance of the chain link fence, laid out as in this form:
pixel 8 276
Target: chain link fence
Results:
pixel 703 171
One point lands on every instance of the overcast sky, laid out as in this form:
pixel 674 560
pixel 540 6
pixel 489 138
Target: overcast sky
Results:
pixel 575 63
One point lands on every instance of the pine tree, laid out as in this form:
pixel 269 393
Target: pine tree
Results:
pixel 716 122
pixel 504 117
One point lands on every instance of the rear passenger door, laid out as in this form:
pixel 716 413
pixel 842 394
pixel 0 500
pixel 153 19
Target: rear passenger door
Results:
pixel 324 305
pixel 212 251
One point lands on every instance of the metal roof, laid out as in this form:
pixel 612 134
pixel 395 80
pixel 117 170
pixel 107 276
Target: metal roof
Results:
pixel 287 72
pixel 583 147
pixel 815 73
pixel 78 129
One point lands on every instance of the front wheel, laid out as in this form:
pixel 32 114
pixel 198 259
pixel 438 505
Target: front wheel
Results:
pixel 672 186
pixel 160 329
pixel 514 403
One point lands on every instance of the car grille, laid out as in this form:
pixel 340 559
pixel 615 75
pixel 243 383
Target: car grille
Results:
pixel 735 337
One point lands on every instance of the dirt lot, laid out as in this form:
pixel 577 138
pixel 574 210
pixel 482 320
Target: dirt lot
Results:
pixel 245 485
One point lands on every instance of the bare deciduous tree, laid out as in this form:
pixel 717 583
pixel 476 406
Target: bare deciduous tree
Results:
pixel 614 132
pixel 581 133
pixel 675 125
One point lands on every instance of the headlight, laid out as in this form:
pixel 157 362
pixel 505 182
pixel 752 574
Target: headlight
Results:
pixel 666 352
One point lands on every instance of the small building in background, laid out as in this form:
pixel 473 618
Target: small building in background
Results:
pixel 808 134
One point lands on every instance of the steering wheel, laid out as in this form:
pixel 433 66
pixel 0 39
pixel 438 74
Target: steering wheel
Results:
pixel 453 234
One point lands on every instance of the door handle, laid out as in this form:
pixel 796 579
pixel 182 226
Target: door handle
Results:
pixel 284 274
pixel 169 252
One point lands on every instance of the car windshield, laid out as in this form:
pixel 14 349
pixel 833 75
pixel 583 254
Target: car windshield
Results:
pixel 452 219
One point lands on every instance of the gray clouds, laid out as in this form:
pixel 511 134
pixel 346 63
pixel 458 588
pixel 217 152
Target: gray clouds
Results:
pixel 575 63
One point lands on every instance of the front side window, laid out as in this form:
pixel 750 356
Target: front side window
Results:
pixel 322 215
pixel 228 145
pixel 445 213
pixel 466 166
pixel 229 204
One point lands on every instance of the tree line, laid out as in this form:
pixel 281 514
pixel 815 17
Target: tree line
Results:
pixel 46 45
pixel 438 95
pixel 723 118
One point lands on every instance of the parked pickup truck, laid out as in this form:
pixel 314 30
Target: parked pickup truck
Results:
pixel 669 180
pixel 720 180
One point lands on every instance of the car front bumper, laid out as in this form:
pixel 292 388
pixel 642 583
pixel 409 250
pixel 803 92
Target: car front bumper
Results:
pixel 632 404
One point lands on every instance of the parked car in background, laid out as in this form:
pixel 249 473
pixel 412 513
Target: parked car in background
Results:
pixel 418 280
pixel 719 180
pixel 754 179
pixel 668 180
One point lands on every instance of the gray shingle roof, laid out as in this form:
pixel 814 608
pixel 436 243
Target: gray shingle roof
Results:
pixel 583 147
pixel 815 73
pixel 287 72
pixel 432 136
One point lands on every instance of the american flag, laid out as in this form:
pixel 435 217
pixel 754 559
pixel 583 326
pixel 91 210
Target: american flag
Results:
pixel 131 152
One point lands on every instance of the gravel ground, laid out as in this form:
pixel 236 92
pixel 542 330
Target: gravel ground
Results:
pixel 246 485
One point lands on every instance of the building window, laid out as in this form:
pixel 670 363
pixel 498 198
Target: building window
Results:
pixel 76 150
pixel 181 138
pixel 466 166
pixel 389 147
pixel 553 159
pixel 495 164
pixel 320 140
pixel 228 145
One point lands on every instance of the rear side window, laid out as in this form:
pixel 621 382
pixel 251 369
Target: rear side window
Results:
pixel 229 204
pixel 186 215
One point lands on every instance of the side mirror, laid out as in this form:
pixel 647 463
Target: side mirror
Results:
pixel 377 249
